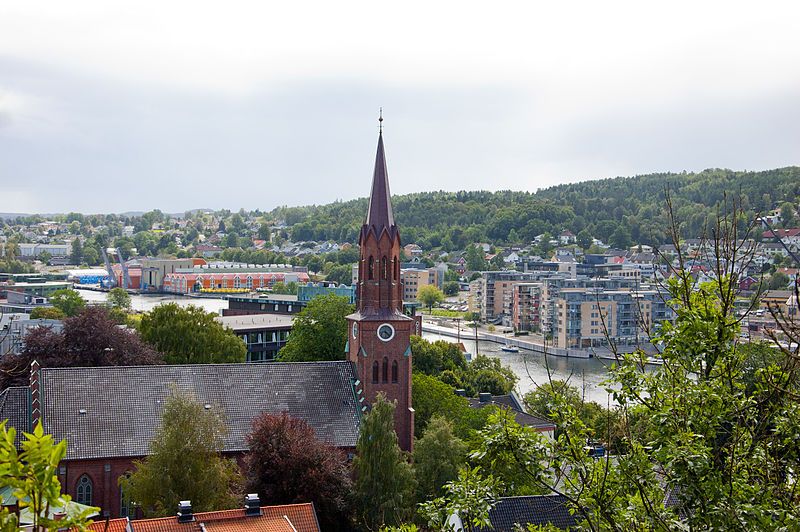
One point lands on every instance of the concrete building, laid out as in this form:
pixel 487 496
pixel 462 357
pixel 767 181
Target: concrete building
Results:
pixel 14 328
pixel 32 251
pixel 413 279
pixel 153 271
pixel 491 295
pixel 584 316
pixel 264 334
pixel 44 289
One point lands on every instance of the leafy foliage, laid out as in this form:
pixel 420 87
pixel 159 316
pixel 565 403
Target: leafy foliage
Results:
pixel 119 298
pixel 287 464
pixel 47 313
pixel 91 338
pixel 319 331
pixel 68 301
pixel 430 295
pixel 190 335
pixel 32 474
pixel 438 456
pixel 384 487
pixel 185 462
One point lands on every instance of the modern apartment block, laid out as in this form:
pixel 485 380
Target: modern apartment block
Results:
pixel 413 279
pixel 588 317
pixel 491 295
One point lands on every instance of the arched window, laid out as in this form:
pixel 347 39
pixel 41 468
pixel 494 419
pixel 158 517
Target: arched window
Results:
pixel 371 268
pixel 375 372
pixel 83 491
pixel 383 268
pixel 394 371
pixel 124 503
pixel 385 370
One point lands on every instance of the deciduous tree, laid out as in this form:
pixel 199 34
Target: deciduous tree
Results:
pixel 185 462
pixel 91 338
pixel 190 335
pixel 430 295
pixel 68 301
pixel 287 464
pixel 319 331
pixel 438 456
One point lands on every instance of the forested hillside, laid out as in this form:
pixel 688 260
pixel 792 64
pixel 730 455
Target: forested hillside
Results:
pixel 631 207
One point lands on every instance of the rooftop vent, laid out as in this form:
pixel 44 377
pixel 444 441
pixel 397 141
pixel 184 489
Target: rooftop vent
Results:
pixel 185 514
pixel 252 505
pixel 485 397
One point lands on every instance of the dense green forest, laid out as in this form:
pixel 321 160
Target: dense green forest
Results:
pixel 623 209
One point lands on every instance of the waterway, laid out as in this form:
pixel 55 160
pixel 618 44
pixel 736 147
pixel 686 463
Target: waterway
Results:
pixel 586 374
pixel 531 368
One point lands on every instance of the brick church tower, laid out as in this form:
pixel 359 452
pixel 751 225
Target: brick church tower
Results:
pixel 379 333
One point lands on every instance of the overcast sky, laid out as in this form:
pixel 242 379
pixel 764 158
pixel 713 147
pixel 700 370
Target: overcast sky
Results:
pixel 111 106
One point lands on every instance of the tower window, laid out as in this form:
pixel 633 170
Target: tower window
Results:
pixel 371 268
pixel 83 491
pixel 385 370
pixel 396 269
pixel 394 372
pixel 383 268
pixel 375 372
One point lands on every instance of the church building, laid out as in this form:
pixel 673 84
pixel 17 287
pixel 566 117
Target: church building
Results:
pixel 379 342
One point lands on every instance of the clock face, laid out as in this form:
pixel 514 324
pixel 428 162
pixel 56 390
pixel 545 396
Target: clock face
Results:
pixel 385 332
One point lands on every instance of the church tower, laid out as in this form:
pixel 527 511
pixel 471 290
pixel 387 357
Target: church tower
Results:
pixel 379 335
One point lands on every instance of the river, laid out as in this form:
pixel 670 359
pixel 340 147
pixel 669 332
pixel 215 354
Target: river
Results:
pixel 585 374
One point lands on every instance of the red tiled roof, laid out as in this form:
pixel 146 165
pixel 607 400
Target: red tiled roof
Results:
pixel 283 518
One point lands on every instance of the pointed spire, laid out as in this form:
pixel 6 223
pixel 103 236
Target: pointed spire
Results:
pixel 379 213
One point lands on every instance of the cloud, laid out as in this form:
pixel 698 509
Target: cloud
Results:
pixel 114 107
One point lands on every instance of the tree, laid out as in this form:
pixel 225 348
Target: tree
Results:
pixel 76 257
pixel 319 331
pixel 451 288
pixel 47 313
pixel 438 456
pixel 787 214
pixel 778 281
pixel 432 397
pixel 89 339
pixel 340 274
pixel 45 257
pixel 119 298
pixel 190 335
pixel 68 301
pixel 584 239
pixel 476 260
pixel 429 295
pixel 620 238
pixel 32 475
pixel 287 464
pixel 185 462
pixel 384 487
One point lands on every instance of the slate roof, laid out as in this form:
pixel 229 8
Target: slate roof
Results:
pixel 533 509
pixel 114 411
pixel 283 518
pixel 14 406
pixel 520 416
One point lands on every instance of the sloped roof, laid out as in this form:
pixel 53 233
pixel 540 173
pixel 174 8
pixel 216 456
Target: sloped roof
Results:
pixel 14 408
pixel 534 509
pixel 283 518
pixel 115 411
pixel 520 416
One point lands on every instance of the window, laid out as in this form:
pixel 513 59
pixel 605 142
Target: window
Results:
pixel 383 268
pixel 394 371
pixel 375 372
pixel 396 268
pixel 237 282
pixel 83 492
pixel 124 503
pixel 249 282
pixel 371 268
pixel 385 368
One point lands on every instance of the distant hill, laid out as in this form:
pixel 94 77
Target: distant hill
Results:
pixel 620 210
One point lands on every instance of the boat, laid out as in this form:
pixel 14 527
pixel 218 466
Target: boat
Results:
pixel 508 348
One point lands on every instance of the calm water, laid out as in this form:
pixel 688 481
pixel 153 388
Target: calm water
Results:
pixel 586 374
pixel 146 303
pixel 531 368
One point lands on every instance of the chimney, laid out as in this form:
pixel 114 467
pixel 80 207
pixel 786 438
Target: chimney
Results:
pixel 485 397
pixel 461 392
pixel 36 404
pixel 252 505
pixel 185 514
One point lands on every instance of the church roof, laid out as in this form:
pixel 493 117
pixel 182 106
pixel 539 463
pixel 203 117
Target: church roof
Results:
pixel 115 411
pixel 379 213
